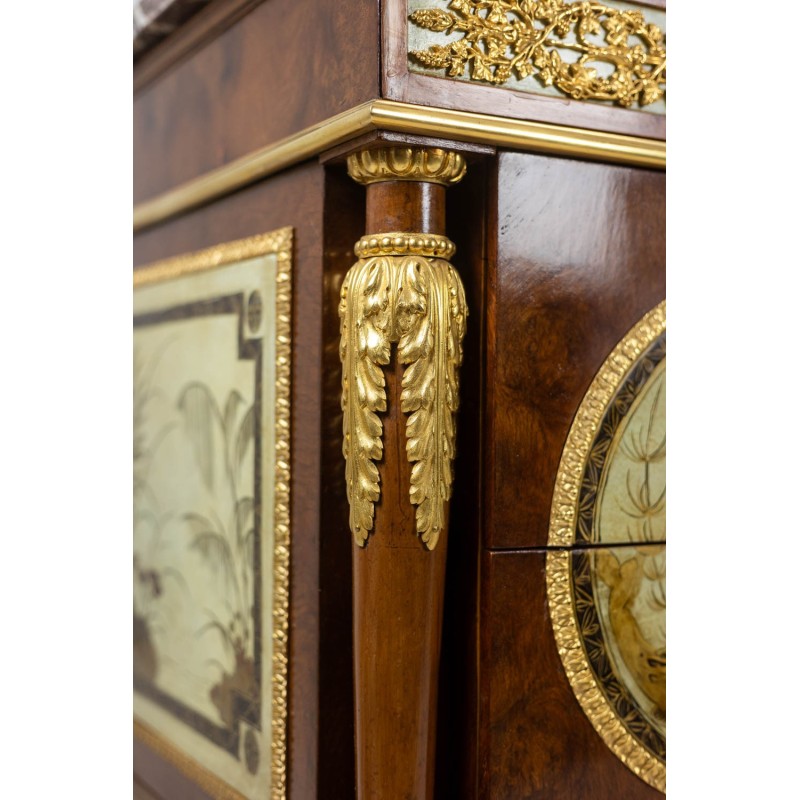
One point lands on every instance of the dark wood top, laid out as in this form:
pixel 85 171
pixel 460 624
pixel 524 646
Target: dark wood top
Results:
pixel 243 74
pixel 283 67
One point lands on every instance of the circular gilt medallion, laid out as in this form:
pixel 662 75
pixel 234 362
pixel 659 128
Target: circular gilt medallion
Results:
pixel 607 582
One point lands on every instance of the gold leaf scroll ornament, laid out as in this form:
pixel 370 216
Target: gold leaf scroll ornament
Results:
pixel 523 37
pixel 418 302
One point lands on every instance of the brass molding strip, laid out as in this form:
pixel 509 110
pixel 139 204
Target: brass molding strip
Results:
pixel 389 115
pixel 254 166
pixel 535 137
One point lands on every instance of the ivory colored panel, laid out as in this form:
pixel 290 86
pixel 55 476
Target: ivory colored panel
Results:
pixel 631 503
pixel 204 498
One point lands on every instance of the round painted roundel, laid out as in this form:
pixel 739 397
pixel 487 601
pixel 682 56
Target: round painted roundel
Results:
pixel 607 581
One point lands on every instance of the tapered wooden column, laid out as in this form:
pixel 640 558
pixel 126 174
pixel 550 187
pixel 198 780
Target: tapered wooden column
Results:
pixel 403 319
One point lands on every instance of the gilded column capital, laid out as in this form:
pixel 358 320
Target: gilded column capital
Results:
pixel 423 164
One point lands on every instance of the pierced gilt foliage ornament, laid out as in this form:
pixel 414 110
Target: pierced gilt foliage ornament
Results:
pixel 586 50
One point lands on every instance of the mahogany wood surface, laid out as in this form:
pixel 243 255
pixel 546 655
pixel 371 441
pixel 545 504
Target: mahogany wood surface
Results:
pixel 405 206
pixel 208 23
pixel 296 197
pixel 159 778
pixel 458 723
pixel 141 792
pixel 398 83
pixel 536 742
pixel 398 589
pixel 579 259
pixel 285 66
pixel 343 226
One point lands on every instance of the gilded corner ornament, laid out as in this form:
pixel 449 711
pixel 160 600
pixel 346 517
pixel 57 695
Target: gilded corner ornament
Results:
pixel 505 39
pixel 415 301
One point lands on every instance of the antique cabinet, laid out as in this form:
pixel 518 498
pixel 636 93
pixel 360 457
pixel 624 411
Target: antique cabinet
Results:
pixel 456 212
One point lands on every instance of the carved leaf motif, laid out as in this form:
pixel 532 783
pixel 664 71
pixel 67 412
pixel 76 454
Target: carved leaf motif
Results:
pixel 460 5
pixel 480 72
pixel 433 19
pixel 524 69
pixel 496 15
pixel 365 315
pixel 419 303
pixel 655 34
pixel 430 313
pixel 436 55
pixel 650 91
pixel 589 23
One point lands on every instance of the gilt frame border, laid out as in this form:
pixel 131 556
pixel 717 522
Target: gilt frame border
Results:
pixel 278 242
pixel 563 521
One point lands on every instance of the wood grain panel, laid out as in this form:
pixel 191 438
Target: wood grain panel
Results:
pixel 153 20
pixel 344 225
pixel 209 22
pixel 287 65
pixel 141 792
pixel 161 778
pixel 580 252
pixel 536 741
pixel 456 749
